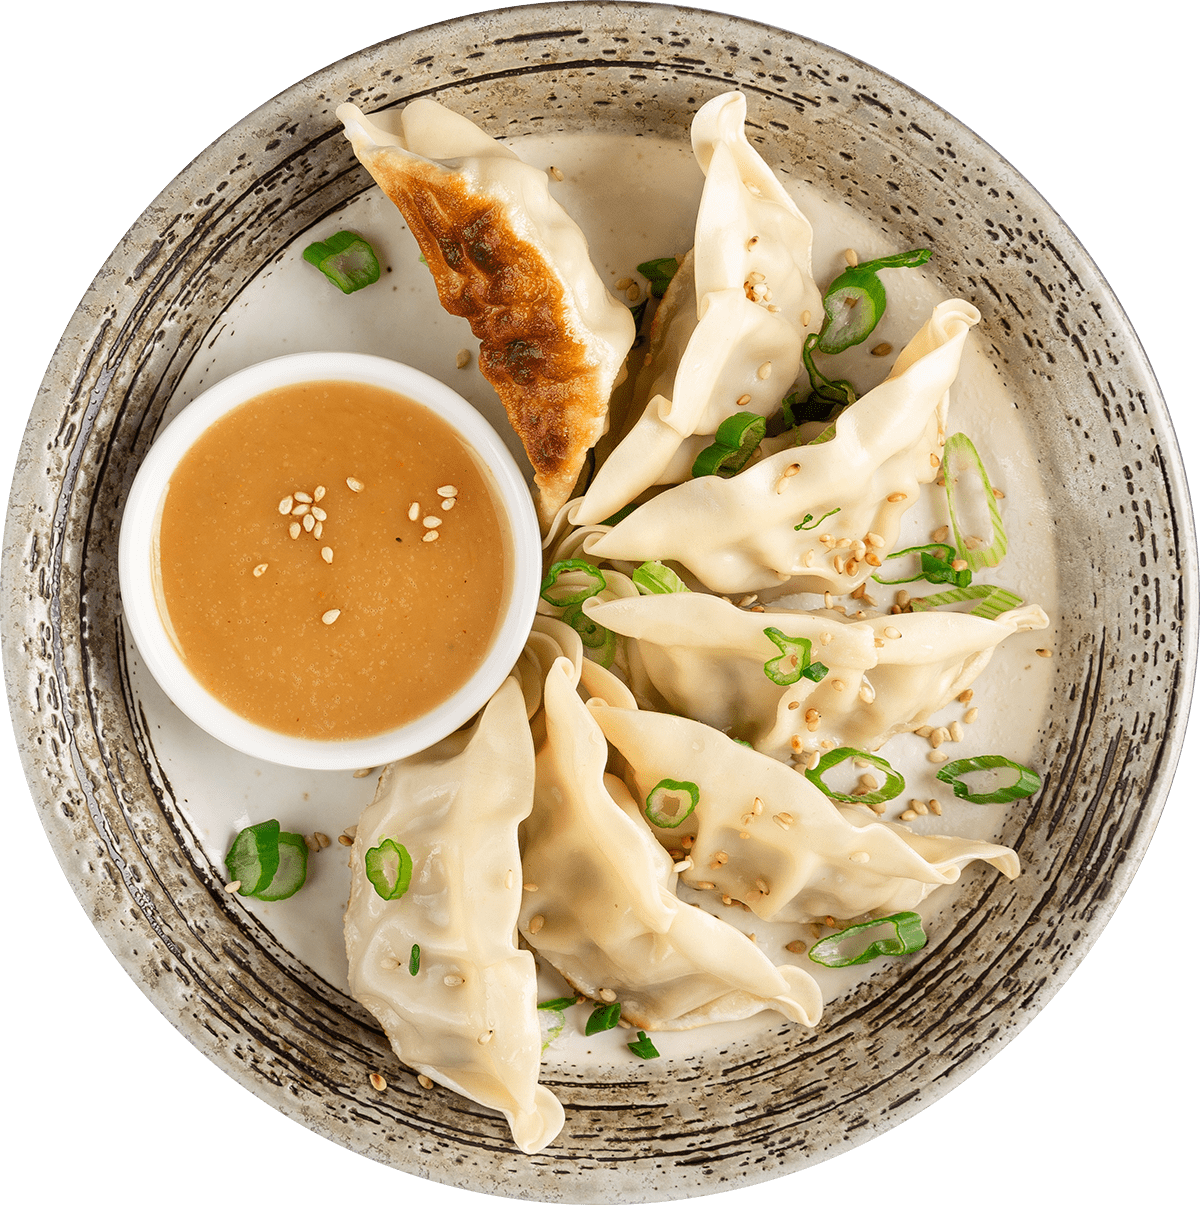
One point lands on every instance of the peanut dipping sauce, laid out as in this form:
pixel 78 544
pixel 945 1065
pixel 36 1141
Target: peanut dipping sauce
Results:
pixel 344 617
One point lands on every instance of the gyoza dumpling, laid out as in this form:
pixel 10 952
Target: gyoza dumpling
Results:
pixel 468 1017
pixel 507 257
pixel 779 520
pixel 703 657
pixel 801 859
pixel 734 346
pixel 605 914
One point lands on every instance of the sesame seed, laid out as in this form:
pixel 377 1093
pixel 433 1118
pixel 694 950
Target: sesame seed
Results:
pixel 851 567
pixel 897 497
pixel 318 493
pixel 624 283
pixel 485 1037
pixel 259 570
pixel 997 493
pixel 940 535
pixel 828 601
pixel 797 744
pixel 536 923
pixel 354 484
pixel 758 806
pixel 607 995
pixel 872 559
pixel 313 844
pixel 844 542
pixel 826 638
pixel 448 504
pixel 838 564
pixel 377 1082
pixel 812 715
pixel 447 491
pixel 764 370
pixel 294 531
pixel 956 732
pixel 744 400
pixel 414 511
pixel 685 865
pixel 429 537
pixel 920 808
pixel 301 508
pixel 851 257
pixel 633 292
pixel 936 737
pixel 866 693
pixel 344 840
pixel 938 755
pixel 908 814
pixel 646 360
pixel 556 172
pixel 761 884
pixel 881 349
pixel 934 462
pixel 745 836
pixel 529 886
pixel 935 807
pixel 958 565
pixel 308 523
pixel 508 881
pixel 966 696
pixel 878 808
pixel 892 633
pixel 860 857
pixel 424 1081
pixel 796 947
pixel 878 643
pixel 751 241
pixel 1044 653
pixel 971 716
pixel 704 885
pixel 756 277
pixel 365 772
pixel 838 684
pixel 285 505
pixel 319 515
pixel 687 842
pixel 453 980
pixel 389 964
pixel 323 840
pixel 902 598
pixel 431 521
pixel 973 542
pixel 330 616
pixel 317 529
pixel 234 886
pixel 809 557
pixel 301 497
pixel 720 857
pixel 791 470
pixel 806 317
pixel 327 555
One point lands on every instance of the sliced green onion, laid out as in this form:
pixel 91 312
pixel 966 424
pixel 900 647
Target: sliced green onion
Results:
pixel 347 259
pixel 659 272
pixel 604 1016
pixel 653 577
pixel 618 515
pixel 389 868
pixel 559 1003
pixel 807 523
pixel 643 1047
pixel 855 301
pixel 996 600
pixel 571 594
pixel 794 661
pixel 893 782
pixel 733 445
pixel 670 803
pixel 840 393
pixel 292 870
pixel 906 937
pixel 414 960
pixel 639 312
pixel 936 566
pixel 599 643
pixel 253 857
pixel 960 457
pixel 1028 781
pixel 808 409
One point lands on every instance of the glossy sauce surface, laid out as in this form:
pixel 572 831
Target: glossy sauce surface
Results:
pixel 362 619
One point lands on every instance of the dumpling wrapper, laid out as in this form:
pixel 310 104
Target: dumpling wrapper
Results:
pixel 508 258
pixel 740 534
pixel 606 912
pixel 736 334
pixel 703 657
pixel 802 859
pixel 456 808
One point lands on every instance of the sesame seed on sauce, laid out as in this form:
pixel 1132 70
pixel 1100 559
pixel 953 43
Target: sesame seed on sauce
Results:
pixel 378 1082
pixel 354 484
pixel 330 616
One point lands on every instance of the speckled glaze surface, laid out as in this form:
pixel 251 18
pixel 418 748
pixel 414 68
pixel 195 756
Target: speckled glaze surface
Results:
pixel 1126 640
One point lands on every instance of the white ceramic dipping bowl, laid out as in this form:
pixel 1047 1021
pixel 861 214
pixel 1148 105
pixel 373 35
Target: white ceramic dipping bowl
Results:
pixel 141 593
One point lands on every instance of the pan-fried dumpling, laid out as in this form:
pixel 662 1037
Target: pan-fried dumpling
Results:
pixel 801 859
pixel 605 914
pixel 734 345
pixel 779 520
pixel 705 658
pixel 507 257
pixel 468 1017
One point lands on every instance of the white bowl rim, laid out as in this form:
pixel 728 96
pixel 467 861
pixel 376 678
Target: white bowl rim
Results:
pixel 162 659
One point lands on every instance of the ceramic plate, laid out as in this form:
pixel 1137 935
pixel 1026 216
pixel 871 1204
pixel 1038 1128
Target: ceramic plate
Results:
pixel 209 280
